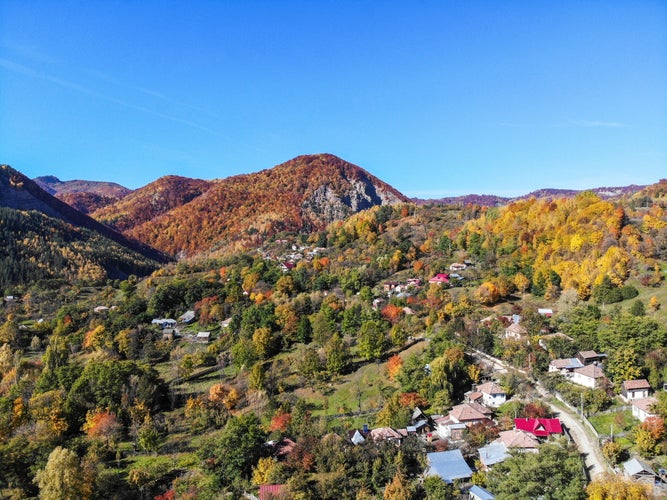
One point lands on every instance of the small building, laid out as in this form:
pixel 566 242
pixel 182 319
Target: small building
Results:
pixel 272 492
pixel 286 266
pixel 446 428
pixel 358 436
pixel 539 427
pixel 203 337
pixel 187 317
pixel 457 266
pixel 386 434
pixel 470 413
pixel 168 334
pixel 390 286
pixel 515 331
pixel 590 376
pixel 440 279
pixel 492 454
pixel 638 470
pixel 643 408
pixel 492 394
pixel 164 322
pixel 100 309
pixel 591 357
pixel 635 389
pixel 565 366
pixel 448 465
pixel 543 311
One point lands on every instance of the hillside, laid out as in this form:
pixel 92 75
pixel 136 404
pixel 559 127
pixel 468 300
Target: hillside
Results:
pixel 151 201
pixel 301 195
pixel 85 196
pixel 18 192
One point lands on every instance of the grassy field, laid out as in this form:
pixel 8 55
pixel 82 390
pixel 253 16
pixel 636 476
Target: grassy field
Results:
pixel 616 422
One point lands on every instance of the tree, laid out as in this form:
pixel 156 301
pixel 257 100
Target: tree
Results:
pixel 62 478
pixel 102 424
pixel 336 354
pixel 613 487
pixel 637 308
pixel 554 472
pixel 398 489
pixel 394 365
pixel 437 489
pixel 234 452
pixel 487 294
pixel 371 340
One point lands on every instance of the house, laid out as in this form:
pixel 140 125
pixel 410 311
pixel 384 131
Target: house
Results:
pixel 386 434
pixel 638 470
pixel 164 322
pixel 187 317
pixel 168 334
pixel 413 282
pixel 474 397
pixel 286 266
pixel 543 311
pixel 358 436
pixel 590 376
pixel 446 428
pixel 448 465
pixel 225 323
pixel 478 493
pixel 469 413
pixel 203 337
pixel 440 279
pixel 492 394
pixel 565 366
pixel 515 331
pixel 498 450
pixel 635 389
pixel 591 357
pixel 539 427
pixel 643 408
pixel 457 266
pixel 390 286
pixel 100 309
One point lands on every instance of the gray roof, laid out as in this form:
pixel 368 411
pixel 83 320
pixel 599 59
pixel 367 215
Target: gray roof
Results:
pixel 493 453
pixel 635 466
pixel 481 493
pixel 449 465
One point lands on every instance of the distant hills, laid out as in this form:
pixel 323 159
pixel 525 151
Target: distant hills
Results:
pixel 85 196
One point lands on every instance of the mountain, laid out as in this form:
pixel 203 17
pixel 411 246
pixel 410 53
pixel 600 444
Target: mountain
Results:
pixel 85 196
pixel 19 193
pixel 489 200
pixel 301 195
pixel 150 201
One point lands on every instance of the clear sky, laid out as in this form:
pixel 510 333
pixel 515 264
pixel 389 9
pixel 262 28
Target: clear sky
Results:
pixel 437 98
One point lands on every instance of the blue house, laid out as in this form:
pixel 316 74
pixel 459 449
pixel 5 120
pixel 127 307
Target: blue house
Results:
pixel 448 465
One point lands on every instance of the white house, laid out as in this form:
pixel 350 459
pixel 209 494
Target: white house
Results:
pixel 590 376
pixel 641 408
pixel 492 394
pixel 635 389
pixel 515 331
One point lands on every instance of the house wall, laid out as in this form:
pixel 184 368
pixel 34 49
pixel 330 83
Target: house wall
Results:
pixel 579 379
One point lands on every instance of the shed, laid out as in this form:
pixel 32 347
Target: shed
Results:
pixel 478 493
pixel 638 470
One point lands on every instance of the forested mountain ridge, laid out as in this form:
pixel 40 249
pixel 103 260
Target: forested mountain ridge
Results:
pixel 19 193
pixel 151 201
pixel 85 196
pixel 301 195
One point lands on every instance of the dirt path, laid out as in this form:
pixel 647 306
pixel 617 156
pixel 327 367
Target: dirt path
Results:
pixel 586 443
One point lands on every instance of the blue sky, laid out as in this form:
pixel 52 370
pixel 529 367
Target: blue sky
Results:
pixel 436 98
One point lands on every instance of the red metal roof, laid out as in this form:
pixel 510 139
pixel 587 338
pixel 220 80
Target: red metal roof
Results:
pixel 541 427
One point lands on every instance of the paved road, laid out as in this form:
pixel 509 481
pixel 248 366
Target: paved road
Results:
pixel 586 443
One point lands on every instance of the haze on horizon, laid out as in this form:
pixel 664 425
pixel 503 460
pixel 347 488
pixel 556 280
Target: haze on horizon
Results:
pixel 437 99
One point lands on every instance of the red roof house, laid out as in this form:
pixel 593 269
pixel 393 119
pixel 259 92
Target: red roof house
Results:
pixel 440 279
pixel 540 427
pixel 271 491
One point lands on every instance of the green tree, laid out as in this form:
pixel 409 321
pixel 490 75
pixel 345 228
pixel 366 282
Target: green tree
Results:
pixel 337 355
pixel 554 473
pixel 62 478
pixel 371 340
pixel 236 450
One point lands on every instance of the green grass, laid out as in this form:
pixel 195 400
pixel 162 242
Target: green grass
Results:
pixel 606 423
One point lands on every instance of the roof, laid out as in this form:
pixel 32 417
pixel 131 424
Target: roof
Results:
pixel 516 328
pixel 490 388
pixel 187 316
pixel 588 354
pixel 467 412
pixel 439 278
pixel 449 465
pixel 645 404
pixel 516 438
pixel 592 371
pixel 357 436
pixel 493 453
pixel 481 493
pixel 633 385
pixel 267 491
pixel 540 427
pixel 566 363
pixel 384 433
pixel 636 466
